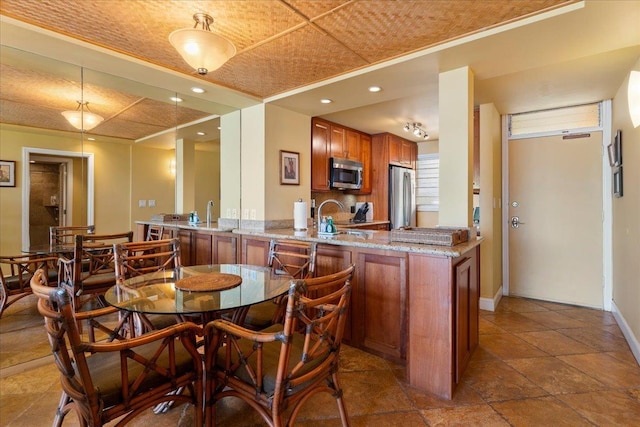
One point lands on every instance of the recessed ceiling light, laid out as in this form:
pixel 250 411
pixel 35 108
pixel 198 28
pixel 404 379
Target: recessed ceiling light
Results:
pixel 91 138
pixel 197 90
pixel 375 88
pixel 326 101
pixel 201 133
pixel 175 99
pixel 219 128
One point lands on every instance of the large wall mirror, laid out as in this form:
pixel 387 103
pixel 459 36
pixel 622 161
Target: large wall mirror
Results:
pixel 119 171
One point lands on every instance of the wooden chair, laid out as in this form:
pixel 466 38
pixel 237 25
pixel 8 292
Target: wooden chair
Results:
pixel 137 258
pixel 297 259
pixel 93 267
pixel 65 235
pixel 284 365
pixel 17 273
pixel 117 377
pixel 155 232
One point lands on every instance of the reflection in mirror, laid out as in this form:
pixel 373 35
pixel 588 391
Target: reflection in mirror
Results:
pixel 133 147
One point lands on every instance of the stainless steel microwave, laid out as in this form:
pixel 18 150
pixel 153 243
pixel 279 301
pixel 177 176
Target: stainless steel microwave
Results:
pixel 345 174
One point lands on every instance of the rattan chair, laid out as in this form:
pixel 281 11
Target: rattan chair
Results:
pixel 93 267
pixel 65 235
pixel 136 258
pixel 293 258
pixel 284 365
pixel 155 232
pixel 16 272
pixel 117 377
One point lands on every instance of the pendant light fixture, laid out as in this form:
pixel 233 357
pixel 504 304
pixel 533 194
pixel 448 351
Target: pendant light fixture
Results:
pixel 81 118
pixel 200 48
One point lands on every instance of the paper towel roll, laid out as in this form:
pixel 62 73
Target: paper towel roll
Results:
pixel 300 215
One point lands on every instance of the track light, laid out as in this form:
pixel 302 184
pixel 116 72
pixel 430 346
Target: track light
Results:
pixel 416 129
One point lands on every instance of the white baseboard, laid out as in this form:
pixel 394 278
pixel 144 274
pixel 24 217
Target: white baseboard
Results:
pixel 632 340
pixel 490 304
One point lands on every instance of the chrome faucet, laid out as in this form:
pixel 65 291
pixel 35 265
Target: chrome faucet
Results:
pixel 337 202
pixel 209 206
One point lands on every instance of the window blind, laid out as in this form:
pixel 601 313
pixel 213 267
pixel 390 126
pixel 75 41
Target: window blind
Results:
pixel 427 182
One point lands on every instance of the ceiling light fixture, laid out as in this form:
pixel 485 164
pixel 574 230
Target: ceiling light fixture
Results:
pixel 175 99
pixel 81 118
pixel 374 89
pixel 197 90
pixel 200 48
pixel 416 129
pixel 326 101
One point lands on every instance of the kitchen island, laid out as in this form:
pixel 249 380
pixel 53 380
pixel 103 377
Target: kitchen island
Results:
pixel 411 303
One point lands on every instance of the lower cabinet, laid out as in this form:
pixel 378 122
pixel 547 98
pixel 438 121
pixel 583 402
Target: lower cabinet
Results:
pixel 195 247
pixel 225 248
pixel 379 305
pixel 255 250
pixel 443 326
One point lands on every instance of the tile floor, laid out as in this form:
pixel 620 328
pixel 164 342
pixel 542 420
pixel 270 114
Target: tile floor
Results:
pixel 538 364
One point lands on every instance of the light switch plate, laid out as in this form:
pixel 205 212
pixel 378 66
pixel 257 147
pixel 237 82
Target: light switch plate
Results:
pixel 152 203
pixel 142 203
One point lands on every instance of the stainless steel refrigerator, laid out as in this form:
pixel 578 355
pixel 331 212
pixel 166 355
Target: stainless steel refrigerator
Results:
pixel 402 197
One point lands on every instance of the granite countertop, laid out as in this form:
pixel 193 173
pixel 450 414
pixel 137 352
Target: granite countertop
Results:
pixel 372 239
pixel 214 226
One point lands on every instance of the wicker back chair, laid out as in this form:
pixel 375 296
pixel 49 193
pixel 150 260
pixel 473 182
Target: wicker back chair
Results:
pixel 284 365
pixel 155 232
pixel 93 267
pixel 65 235
pixel 137 258
pixel 17 273
pixel 117 377
pixel 293 258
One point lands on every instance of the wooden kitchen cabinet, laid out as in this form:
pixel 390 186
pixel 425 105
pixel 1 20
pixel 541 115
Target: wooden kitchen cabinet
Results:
pixel 332 140
pixel 444 303
pixel 195 247
pixel 255 250
pixel 226 248
pixel 402 152
pixel 320 154
pixel 379 303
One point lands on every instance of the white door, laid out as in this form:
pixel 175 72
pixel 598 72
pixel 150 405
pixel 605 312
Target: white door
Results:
pixel 555 215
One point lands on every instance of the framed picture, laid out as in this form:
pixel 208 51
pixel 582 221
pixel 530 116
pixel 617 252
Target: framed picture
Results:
pixel 615 150
pixel 617 182
pixel 289 168
pixel 7 173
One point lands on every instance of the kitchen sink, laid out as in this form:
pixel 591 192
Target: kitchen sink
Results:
pixel 365 234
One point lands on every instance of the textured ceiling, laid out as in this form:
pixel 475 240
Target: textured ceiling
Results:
pixel 281 44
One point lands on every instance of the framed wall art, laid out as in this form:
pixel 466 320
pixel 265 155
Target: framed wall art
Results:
pixel 289 168
pixel 7 173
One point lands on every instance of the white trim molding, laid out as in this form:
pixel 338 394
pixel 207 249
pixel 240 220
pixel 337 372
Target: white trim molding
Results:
pixel 632 340
pixel 490 304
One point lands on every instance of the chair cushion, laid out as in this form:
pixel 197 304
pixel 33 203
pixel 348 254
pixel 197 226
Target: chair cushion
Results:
pixel 13 282
pixel 105 371
pixel 271 355
pixel 260 316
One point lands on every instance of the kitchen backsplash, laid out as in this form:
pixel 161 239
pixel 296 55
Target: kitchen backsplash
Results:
pixel 348 200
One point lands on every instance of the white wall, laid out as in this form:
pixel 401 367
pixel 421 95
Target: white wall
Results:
pixel 626 224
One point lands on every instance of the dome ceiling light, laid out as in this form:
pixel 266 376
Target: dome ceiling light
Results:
pixel 200 48
pixel 81 118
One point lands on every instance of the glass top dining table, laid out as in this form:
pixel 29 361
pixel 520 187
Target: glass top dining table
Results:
pixel 166 292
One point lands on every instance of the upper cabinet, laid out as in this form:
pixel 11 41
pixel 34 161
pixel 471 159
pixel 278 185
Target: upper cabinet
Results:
pixel 320 154
pixel 332 140
pixel 402 152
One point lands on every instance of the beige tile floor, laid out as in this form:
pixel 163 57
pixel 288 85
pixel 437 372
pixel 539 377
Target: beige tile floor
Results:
pixel 538 364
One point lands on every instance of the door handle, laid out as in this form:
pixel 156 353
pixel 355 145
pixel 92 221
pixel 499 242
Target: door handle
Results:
pixel 515 222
